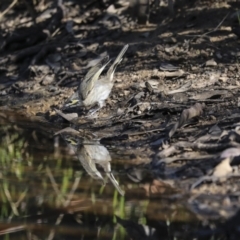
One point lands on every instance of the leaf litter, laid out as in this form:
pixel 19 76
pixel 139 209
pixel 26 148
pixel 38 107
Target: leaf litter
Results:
pixel 190 139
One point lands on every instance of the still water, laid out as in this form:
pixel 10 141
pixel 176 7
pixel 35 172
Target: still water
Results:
pixel 66 187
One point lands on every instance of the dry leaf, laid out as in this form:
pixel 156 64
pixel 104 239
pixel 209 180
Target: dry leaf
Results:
pixel 187 114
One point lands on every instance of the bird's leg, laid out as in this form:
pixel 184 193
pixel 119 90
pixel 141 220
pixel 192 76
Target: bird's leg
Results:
pixel 96 108
pixel 93 111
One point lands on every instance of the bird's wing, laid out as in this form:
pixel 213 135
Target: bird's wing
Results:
pixel 91 77
pixel 96 67
pixel 88 164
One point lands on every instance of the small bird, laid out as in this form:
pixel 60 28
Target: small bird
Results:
pixel 90 152
pixel 98 154
pixel 94 90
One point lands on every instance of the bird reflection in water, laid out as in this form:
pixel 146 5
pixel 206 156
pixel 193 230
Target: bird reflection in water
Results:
pixel 90 152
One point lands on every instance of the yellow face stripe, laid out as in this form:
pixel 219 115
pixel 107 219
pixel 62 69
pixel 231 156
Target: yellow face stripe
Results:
pixel 74 101
pixel 71 141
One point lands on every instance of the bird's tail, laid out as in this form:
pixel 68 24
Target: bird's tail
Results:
pixel 115 183
pixel 113 67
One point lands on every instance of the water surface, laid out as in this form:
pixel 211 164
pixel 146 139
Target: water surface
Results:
pixel 52 188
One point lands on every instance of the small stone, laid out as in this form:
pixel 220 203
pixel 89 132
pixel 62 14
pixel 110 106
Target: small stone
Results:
pixel 53 58
pixel 238 102
pixel 48 80
pixel 194 68
pixel 170 40
pixel 232 68
pixel 145 34
pixel 210 63
pixel 223 79
pixel 126 92
pixel 19 84
pixel 212 117
pixel 3 93
pixel 168 67
pixel 218 55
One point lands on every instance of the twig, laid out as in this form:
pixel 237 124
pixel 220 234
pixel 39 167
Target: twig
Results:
pixel 9 198
pixel 145 132
pixel 13 230
pixel 54 185
pixel 8 9
pixel 215 29
pixel 22 196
